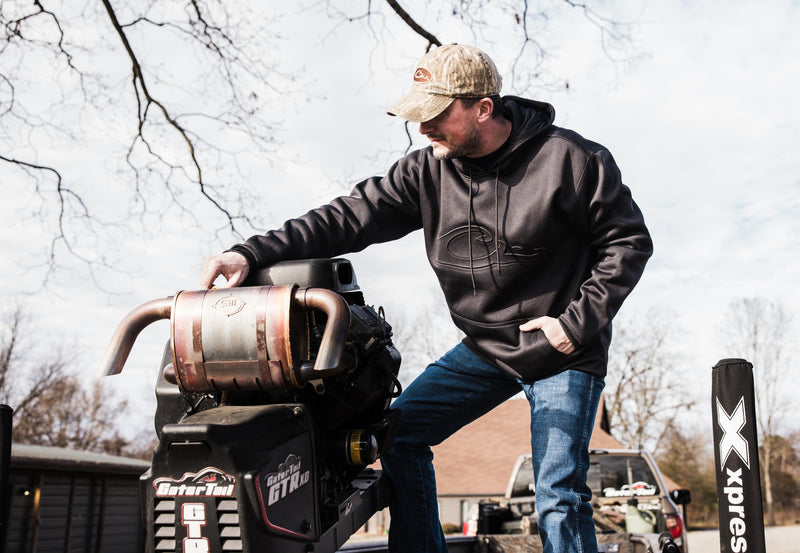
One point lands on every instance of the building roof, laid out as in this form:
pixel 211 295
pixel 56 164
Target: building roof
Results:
pixel 39 457
pixel 478 459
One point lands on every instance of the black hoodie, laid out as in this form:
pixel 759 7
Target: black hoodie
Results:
pixel 542 227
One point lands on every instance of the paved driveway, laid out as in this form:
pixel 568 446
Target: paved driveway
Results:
pixel 780 539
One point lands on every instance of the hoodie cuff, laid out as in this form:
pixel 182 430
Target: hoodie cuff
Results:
pixel 569 331
pixel 248 255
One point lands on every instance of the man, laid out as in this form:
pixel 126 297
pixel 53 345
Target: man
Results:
pixel 536 243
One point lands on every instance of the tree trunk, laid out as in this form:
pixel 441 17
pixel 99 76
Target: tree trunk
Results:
pixel 766 467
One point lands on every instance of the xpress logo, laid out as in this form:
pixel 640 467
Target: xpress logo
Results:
pixel 289 478
pixel 209 482
pixel 732 439
pixel 734 489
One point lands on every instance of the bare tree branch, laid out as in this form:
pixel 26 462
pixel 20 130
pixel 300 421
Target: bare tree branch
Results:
pixel 51 406
pixel 34 116
pixel 145 100
pixel 416 27
pixel 644 392
pixel 188 123
pixel 759 331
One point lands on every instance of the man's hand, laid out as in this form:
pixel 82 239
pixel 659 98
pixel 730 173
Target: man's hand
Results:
pixel 552 331
pixel 233 266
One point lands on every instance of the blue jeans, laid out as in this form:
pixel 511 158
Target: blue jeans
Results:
pixel 456 390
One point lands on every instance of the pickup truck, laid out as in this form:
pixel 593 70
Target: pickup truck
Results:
pixel 629 496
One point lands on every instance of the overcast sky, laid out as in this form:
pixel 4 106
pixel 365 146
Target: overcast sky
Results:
pixel 703 123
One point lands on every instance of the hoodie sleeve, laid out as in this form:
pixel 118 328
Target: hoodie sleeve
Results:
pixel 377 210
pixel 621 242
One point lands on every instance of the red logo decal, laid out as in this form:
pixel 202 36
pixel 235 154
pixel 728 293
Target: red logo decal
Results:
pixel 422 75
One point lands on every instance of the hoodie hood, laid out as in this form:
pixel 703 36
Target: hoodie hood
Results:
pixel 529 118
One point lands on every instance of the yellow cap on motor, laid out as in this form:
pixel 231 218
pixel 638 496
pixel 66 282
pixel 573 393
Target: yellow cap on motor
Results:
pixel 362 447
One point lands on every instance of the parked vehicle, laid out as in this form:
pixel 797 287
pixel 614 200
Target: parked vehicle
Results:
pixel 629 496
pixel 629 482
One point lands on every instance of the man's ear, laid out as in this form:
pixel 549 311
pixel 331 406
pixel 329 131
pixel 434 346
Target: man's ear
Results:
pixel 485 108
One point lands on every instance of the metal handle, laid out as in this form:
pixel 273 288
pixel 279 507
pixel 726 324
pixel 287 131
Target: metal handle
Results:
pixel 121 343
pixel 331 358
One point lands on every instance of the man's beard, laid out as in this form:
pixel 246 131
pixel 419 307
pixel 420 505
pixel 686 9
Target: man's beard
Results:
pixel 471 144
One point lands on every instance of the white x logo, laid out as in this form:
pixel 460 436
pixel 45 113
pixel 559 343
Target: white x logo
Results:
pixel 732 440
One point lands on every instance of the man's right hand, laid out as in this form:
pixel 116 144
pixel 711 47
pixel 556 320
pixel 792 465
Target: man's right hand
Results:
pixel 231 265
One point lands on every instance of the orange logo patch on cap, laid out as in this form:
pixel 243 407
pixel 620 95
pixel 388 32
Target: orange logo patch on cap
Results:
pixel 422 75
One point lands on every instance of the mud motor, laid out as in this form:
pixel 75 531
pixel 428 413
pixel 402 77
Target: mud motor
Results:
pixel 272 399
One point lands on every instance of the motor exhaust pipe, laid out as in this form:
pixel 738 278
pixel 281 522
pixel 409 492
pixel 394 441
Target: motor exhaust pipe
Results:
pixel 128 330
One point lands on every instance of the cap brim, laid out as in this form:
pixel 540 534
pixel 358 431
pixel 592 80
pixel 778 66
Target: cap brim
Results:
pixel 419 107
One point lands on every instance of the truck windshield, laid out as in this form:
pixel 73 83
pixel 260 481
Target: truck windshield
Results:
pixel 610 475
pixel 621 476
pixel 523 482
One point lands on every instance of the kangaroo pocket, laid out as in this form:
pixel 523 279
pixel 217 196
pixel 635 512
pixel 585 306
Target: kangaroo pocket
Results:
pixel 527 355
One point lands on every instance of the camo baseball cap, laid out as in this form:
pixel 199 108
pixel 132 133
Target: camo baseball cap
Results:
pixel 444 74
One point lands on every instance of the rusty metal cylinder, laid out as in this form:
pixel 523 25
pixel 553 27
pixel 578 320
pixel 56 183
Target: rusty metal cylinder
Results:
pixel 237 339
pixel 250 338
pixel 255 338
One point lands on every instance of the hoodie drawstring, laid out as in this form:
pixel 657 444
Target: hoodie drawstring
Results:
pixel 497 218
pixel 469 235
pixel 496 227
